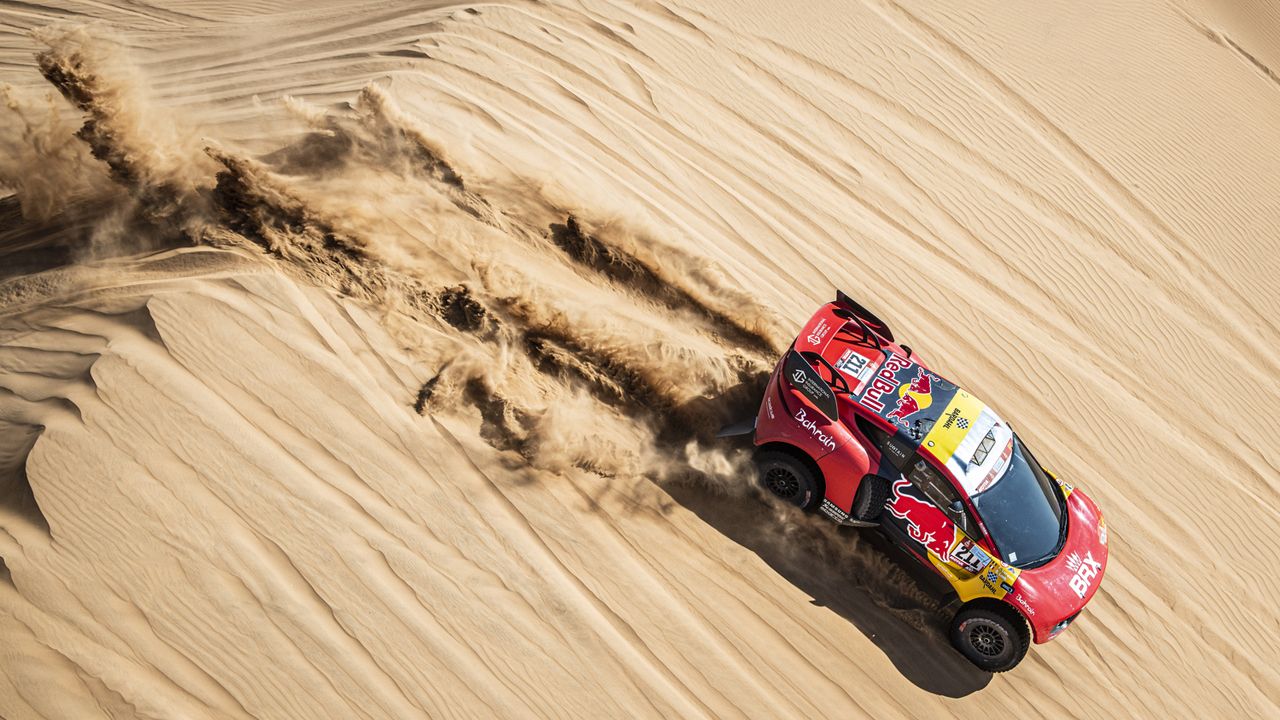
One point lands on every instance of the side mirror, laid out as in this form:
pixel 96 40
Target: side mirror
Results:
pixel 961 519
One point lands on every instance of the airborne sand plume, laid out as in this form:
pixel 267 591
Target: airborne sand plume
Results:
pixel 369 206
pixel 365 361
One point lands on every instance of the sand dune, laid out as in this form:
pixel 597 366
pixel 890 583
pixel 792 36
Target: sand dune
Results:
pixel 364 360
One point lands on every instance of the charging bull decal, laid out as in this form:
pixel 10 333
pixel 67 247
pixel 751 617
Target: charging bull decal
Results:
pixel 903 392
pixel 926 524
pixel 913 397
pixel 972 571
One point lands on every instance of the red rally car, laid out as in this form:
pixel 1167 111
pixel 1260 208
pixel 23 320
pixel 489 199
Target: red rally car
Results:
pixel 857 427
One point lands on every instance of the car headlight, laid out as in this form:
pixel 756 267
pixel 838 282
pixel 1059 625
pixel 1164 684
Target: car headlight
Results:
pixel 1062 625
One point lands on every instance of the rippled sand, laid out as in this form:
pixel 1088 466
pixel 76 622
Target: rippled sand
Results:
pixel 363 360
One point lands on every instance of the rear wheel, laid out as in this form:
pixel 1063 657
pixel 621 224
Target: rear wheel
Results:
pixel 788 479
pixel 872 494
pixel 992 637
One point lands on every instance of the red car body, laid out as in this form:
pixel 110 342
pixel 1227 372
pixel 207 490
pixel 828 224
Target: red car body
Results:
pixel 858 407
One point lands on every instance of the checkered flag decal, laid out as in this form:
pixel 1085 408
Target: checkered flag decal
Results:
pixel 963 424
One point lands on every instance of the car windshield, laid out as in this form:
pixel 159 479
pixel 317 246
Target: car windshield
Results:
pixel 1023 511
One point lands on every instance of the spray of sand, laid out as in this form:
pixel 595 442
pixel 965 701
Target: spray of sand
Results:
pixel 583 338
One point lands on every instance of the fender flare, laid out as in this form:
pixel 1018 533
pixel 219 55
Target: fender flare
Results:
pixel 1003 606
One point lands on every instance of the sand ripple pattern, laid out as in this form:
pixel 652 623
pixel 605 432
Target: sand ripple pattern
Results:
pixel 362 360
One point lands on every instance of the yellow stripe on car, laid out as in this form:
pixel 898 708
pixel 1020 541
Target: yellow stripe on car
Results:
pixel 952 426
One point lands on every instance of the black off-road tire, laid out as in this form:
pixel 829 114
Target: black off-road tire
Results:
pixel 789 479
pixel 991 635
pixel 868 502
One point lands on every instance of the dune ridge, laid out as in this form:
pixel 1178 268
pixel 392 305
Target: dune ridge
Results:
pixel 365 361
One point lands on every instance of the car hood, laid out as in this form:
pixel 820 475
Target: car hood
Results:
pixel 1057 590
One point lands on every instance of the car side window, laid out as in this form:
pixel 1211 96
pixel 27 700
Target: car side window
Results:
pixel 930 482
pixel 942 493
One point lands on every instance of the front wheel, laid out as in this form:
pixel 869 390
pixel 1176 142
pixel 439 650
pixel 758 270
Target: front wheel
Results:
pixel 788 479
pixel 993 638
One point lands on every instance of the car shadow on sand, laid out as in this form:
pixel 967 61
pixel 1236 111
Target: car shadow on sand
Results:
pixel 912 636
pixel 876 586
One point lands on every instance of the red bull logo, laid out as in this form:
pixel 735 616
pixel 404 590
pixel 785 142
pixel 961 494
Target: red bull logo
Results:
pixel 912 398
pixel 925 523
pixel 885 381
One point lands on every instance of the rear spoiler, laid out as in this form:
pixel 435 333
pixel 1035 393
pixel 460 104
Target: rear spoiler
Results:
pixel 864 316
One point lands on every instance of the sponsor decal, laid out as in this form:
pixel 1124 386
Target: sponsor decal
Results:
pixel 829 509
pixel 852 362
pixel 810 384
pixel 826 440
pixel 856 366
pixel 1085 569
pixel 969 556
pixel 998 578
pixel 896 452
pixel 768 406
pixel 885 381
pixel 913 397
pixel 819 332
pixel 958 433
pixel 1025 605
pixel 925 523
pixel 990 580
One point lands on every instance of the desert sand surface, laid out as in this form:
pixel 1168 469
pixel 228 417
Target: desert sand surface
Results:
pixel 361 360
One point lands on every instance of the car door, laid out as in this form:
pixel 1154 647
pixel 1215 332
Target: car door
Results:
pixel 914 514
pixel 924 509
pixel 926 515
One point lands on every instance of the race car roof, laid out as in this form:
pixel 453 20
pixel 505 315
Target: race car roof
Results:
pixel 942 420
pixel 926 411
